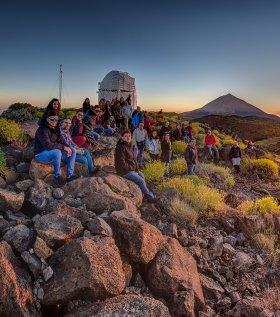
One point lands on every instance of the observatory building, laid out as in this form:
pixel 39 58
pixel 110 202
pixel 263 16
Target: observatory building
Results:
pixel 117 84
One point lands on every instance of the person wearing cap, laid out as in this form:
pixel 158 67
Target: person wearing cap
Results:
pixel 210 143
pixel 191 156
pixel 49 148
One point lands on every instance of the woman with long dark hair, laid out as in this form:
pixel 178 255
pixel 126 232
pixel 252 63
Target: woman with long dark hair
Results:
pixel 53 109
pixel 86 105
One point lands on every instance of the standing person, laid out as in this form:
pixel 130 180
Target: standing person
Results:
pixel 153 146
pixel 107 112
pixel 86 106
pixel 210 143
pixel 127 114
pixel 165 129
pixel 53 109
pixel 137 117
pixel 148 122
pixel 177 133
pixel 191 157
pixel 83 155
pixel 139 139
pixel 190 132
pixel 166 151
pixel 127 167
pixel 235 156
pixel 49 148
pixel 119 115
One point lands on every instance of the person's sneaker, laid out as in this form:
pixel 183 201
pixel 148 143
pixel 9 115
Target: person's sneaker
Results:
pixel 60 181
pixel 95 171
pixel 71 178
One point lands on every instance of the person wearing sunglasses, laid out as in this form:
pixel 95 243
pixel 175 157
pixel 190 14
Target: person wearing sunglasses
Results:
pixel 49 148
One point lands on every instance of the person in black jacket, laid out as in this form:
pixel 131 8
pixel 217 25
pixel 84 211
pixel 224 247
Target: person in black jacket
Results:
pixel 126 165
pixel 166 151
pixel 49 148
pixel 235 156
pixel 191 156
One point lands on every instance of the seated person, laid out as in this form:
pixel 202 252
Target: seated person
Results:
pixel 90 122
pixel 49 148
pixel 81 135
pixel 100 123
pixel 83 155
pixel 111 124
pixel 53 109
pixel 127 167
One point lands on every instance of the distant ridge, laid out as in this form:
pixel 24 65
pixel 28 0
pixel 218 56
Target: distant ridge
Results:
pixel 229 105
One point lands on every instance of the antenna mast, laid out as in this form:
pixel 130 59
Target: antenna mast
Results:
pixel 60 82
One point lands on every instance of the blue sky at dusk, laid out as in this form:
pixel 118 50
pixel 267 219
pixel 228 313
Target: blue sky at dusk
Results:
pixel 183 54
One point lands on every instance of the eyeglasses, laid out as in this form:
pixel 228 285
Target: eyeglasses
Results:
pixel 53 119
pixel 79 115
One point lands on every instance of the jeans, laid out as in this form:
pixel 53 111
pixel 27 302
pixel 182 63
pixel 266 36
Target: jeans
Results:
pixel 213 151
pixel 98 129
pixel 86 160
pixel 96 135
pixel 191 169
pixel 138 179
pixel 55 157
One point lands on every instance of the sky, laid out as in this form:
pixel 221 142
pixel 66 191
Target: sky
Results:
pixel 183 54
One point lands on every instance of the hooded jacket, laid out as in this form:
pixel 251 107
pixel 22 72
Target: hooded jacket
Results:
pixel 124 158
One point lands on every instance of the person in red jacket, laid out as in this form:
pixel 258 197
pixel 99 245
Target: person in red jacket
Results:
pixel 210 143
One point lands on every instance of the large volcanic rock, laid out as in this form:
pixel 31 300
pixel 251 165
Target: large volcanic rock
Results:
pixel 173 275
pixel 106 194
pixel 11 200
pixel 87 268
pixel 124 305
pixel 135 237
pixel 16 298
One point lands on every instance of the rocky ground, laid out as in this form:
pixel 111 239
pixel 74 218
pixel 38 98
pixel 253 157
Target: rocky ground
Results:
pixel 94 248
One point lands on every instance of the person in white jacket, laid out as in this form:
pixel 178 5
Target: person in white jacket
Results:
pixel 139 140
pixel 153 146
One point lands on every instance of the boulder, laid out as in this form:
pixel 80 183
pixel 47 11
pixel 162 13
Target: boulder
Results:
pixel 211 289
pixel 41 249
pixel 34 264
pixel 4 226
pixel 242 261
pixel 98 226
pixel 10 200
pixel 249 307
pixel 24 185
pixel 19 237
pixel 40 196
pixel 56 230
pixel 124 305
pixel 138 239
pixel 23 167
pixel 2 183
pixel 86 268
pixel 16 298
pixel 174 270
pixel 99 197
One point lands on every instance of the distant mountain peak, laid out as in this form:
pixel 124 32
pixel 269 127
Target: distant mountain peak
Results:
pixel 228 105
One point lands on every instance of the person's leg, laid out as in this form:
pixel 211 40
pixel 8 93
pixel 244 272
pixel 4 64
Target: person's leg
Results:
pixel 53 157
pixel 210 150
pixel 96 135
pixel 108 131
pixel 216 153
pixel 126 122
pixel 138 179
pixel 70 161
pixel 90 162
pixel 98 129
pixel 82 160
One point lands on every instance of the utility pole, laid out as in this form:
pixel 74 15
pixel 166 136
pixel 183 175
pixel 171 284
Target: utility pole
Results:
pixel 60 82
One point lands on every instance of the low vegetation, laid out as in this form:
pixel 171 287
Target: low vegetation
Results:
pixel 10 131
pixel 178 166
pixel 181 211
pixel 218 175
pixel 262 206
pixel 179 147
pixel 264 168
pixel 2 163
pixel 199 196
pixel 154 171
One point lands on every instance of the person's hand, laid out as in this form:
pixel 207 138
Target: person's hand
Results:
pixel 80 151
pixel 68 150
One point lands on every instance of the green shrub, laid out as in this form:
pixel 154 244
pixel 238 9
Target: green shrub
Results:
pixel 2 163
pixel 68 112
pixel 212 172
pixel 178 167
pixel 154 171
pixel 262 206
pixel 10 131
pixel 38 114
pixel 179 147
pixel 200 139
pixel 20 112
pixel 264 168
pixel 181 211
pixel 202 198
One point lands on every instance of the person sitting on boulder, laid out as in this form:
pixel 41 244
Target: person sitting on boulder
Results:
pixel 83 155
pixel 53 109
pixel 126 165
pixel 235 156
pixel 81 134
pixel 191 156
pixel 49 148
pixel 153 146
pixel 210 143
pixel 139 139
pixel 166 151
